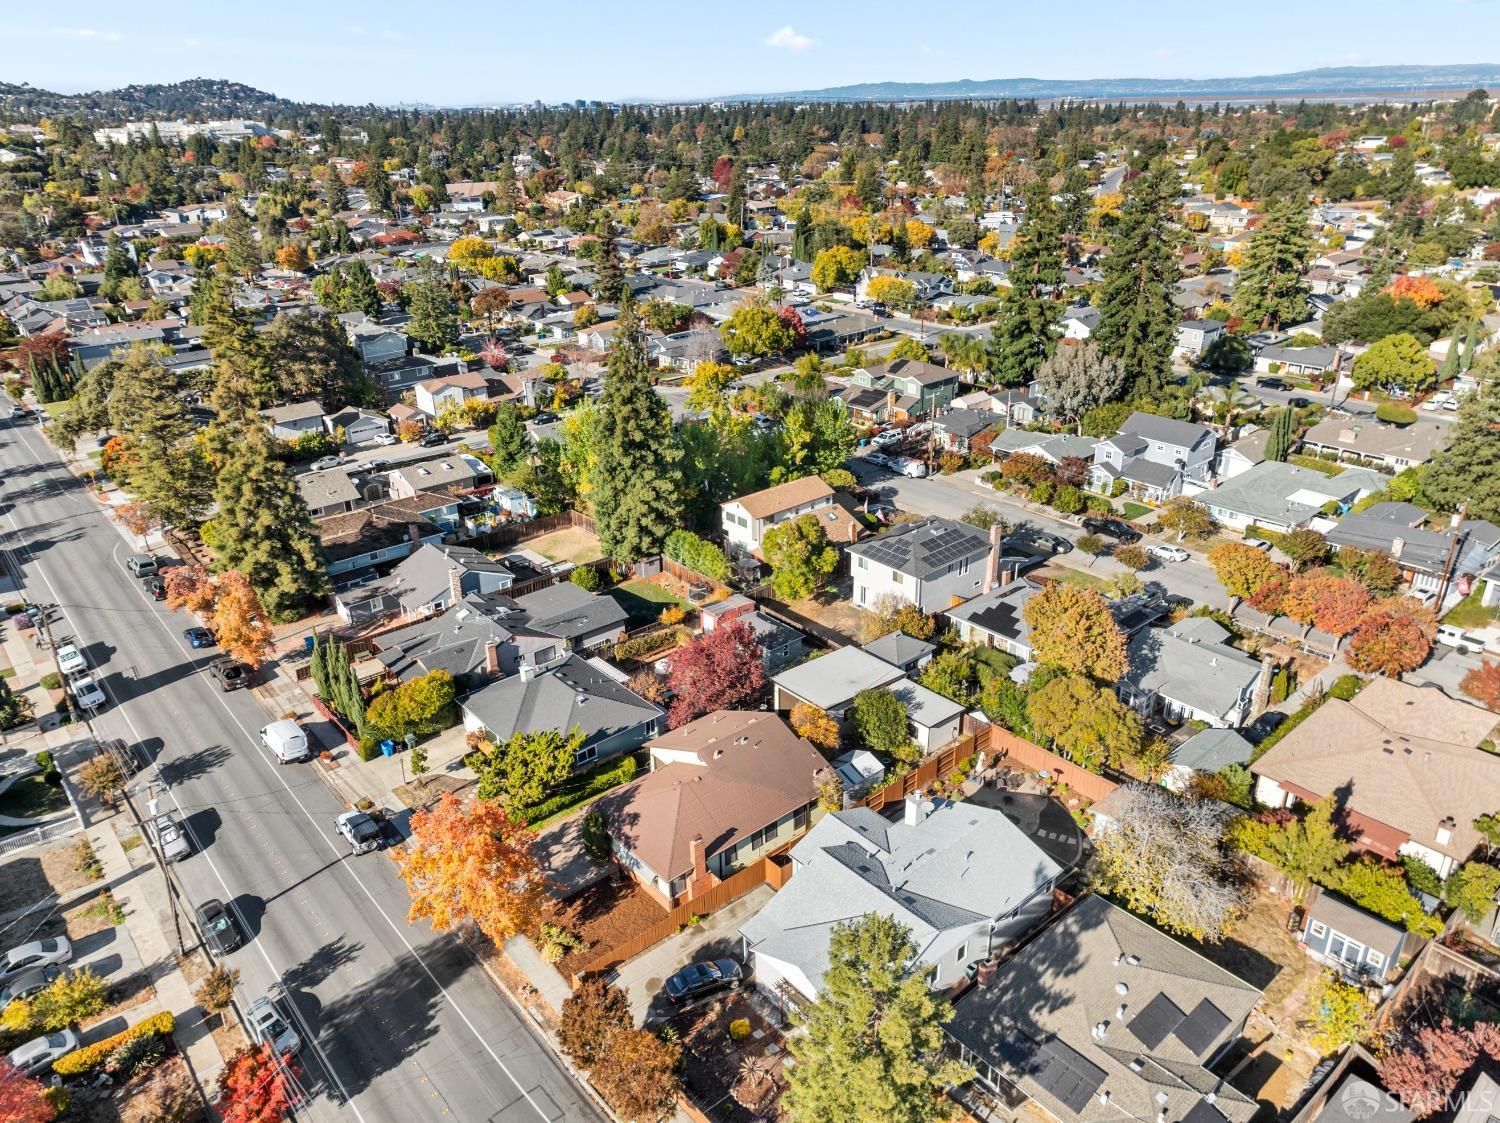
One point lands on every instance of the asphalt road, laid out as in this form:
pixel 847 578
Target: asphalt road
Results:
pixel 397 1023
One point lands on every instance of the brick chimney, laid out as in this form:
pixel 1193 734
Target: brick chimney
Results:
pixel 456 583
pixel 414 532
pixel 1261 697
pixel 700 880
pixel 853 531
pixel 1397 545
pixel 992 563
pixel 492 658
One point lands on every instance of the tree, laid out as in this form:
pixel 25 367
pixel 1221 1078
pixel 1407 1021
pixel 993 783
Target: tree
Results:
pixel 1086 721
pixel 1137 319
pixel 239 623
pixel 816 725
pixel 434 318
pixel 524 769
pixel 1425 1068
pixel 637 1074
pixel 908 348
pixel 23 1099
pixel 719 670
pixel 1468 471
pixel 241 253
pixel 1243 570
pixel 1331 604
pixel 1186 519
pixel 1396 362
pixel 69 998
pixel 872 1046
pixel 890 614
pixel 309 356
pixel 756 330
pixel 100 778
pixel 836 266
pixel 1392 639
pixel 421 707
pixel 1164 856
pixel 360 293
pixel 1309 849
pixel 1076 379
pixel 1073 628
pixel 635 480
pixel 1377 572
pixel 1025 334
pixel 800 557
pixel 1269 290
pixel 1483 684
pixel 881 721
pixel 895 291
pixel 254 1087
pixel 510 444
pixel 1472 889
pixel 591 1016
pixel 951 674
pixel 1283 434
pixel 264 529
pixel 1132 555
pixel 1344 1013
pixel 472 863
pixel 216 992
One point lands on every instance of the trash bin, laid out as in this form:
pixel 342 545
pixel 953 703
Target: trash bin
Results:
pixel 308 643
pixel 387 748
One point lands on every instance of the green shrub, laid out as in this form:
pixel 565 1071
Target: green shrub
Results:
pixel 52 681
pixel 1346 687
pixel 1117 489
pixel 80 1061
pixel 641 646
pixel 585 786
pixel 59 1099
pixel 586 577
pixel 687 548
pixel 368 747
pixel 44 761
pixel 135 1056
pixel 1098 505
pixel 1393 413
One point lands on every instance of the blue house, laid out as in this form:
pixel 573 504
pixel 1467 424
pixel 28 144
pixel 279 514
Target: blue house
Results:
pixel 1350 940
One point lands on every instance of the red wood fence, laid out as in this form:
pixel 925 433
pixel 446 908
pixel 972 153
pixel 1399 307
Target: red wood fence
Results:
pixel 1034 758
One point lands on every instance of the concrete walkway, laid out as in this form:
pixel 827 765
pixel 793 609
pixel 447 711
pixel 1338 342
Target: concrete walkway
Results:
pixel 546 978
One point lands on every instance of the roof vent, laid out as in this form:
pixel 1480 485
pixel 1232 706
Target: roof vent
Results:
pixel 1122 988
pixel 1100 1031
pixel 1161 1097
pixel 1119 958
pixel 1137 1065
pixel 718 753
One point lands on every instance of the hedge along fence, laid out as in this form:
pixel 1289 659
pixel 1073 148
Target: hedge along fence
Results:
pixel 641 647
pixel 80 1061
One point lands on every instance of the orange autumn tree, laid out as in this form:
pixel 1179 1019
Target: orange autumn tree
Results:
pixel 239 622
pixel 1421 291
pixel 254 1088
pixel 190 587
pixel 472 863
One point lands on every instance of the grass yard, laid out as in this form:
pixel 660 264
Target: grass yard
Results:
pixel 31 796
pixel 56 409
pixel 570 545
pixel 1073 576
pixel 644 600
pixel 1469 613
pixel 1133 511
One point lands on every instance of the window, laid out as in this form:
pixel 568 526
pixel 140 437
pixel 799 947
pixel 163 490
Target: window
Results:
pixel 1374 958
pixel 585 754
pixel 1319 930
pixel 962 953
pixel 861 561
pixel 896 576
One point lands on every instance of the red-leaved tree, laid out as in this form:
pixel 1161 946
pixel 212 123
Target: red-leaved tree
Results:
pixel 721 670
pixel 22 1099
pixel 1483 684
pixel 1332 604
pixel 1426 1069
pixel 793 321
pixel 1393 638
pixel 38 351
pixel 254 1087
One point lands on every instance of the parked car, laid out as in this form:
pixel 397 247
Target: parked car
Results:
pixel 699 979
pixel 141 565
pixel 86 692
pixel 360 830
pixel 384 439
pixel 232 675
pixel 220 930
pixel 270 1028
pixel 18 413
pixel 28 983
pixel 906 466
pixel 1258 544
pixel 70 660
pixel 431 439
pixel 1273 384
pixel 1451 635
pixel 157 588
pixel 1162 552
pixel 198 637
pixel 324 463
pixel 38 953
pixel 1112 528
pixel 887 438
pixel 37 1055
pixel 879 459
pixel 1437 401
pixel 167 836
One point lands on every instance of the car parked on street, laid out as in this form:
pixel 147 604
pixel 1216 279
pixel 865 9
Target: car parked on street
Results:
pixel 37 1055
pixel 1450 635
pixel 887 438
pixel 324 463
pixel 70 660
pixel 906 466
pixel 384 439
pixel 157 588
pixel 86 692
pixel 270 1028
pixel 432 439
pixel 232 675
pixel 1273 384
pixel 879 459
pixel 1112 528
pixel 708 977
pixel 1163 552
pixel 220 930
pixel 198 637
pixel 38 953
pixel 167 836
pixel 28 983
pixel 361 831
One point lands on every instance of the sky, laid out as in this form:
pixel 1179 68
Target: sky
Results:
pixel 507 51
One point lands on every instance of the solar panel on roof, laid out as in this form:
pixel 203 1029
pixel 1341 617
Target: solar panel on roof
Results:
pixel 1204 1112
pixel 1155 1020
pixel 1202 1027
pixel 1067 1074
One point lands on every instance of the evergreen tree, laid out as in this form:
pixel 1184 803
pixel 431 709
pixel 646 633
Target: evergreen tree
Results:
pixel 358 289
pixel 337 194
pixel 556 281
pixel 610 286
pixel 241 376
pixel 1270 291
pixel 167 470
pixel 1137 318
pixel 636 483
pixel 1279 442
pixel 241 253
pixel 734 205
pixel 377 185
pixel 1025 334
pixel 118 266
pixel 434 319
pixel 263 526
pixel 509 443
pixel 1451 361
pixel 317 666
pixel 308 356
pixel 1471 344
pixel 802 235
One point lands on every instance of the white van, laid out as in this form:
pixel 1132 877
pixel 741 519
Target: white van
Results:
pixel 1451 635
pixel 287 740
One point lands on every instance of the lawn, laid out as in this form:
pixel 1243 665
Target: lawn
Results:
pixel 1469 613
pixel 31 796
pixel 56 409
pixel 1073 576
pixel 644 600
pixel 1133 511
pixel 570 545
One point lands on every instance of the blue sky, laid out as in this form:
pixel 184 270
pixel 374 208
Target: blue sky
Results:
pixel 514 50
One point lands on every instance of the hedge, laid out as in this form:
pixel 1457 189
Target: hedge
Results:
pixel 596 781
pixel 92 1056
pixel 687 548
pixel 641 646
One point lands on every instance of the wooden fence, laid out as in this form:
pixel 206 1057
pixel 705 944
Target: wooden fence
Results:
pixel 512 533
pixel 772 870
pixel 938 766
pixel 1022 752
pixel 687 576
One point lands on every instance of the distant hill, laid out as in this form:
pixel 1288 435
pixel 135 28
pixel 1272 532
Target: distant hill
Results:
pixel 196 97
pixel 1330 81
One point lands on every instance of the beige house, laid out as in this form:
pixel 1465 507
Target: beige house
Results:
pixel 746 519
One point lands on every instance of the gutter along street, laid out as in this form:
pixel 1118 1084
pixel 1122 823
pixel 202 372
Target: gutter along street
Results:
pixel 397 1024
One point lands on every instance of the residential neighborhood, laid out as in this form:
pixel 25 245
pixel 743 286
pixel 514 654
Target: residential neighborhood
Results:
pixel 1015 565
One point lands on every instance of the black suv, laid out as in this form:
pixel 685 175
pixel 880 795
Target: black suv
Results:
pixel 220 930
pixel 1112 528
pixel 429 439
pixel 232 675
pixel 698 979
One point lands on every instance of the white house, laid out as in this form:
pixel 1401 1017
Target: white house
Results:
pixel 745 520
pixel 454 389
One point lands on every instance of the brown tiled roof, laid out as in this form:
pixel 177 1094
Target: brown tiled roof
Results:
pixel 783 497
pixel 374 528
pixel 1403 755
pixel 749 769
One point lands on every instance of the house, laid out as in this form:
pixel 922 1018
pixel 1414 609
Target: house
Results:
pixel 1427 557
pixel 1104 1018
pixel 437 576
pixel 326 493
pixel 289 422
pixel 907 653
pixel 453 389
pixel 935 719
pixel 994 618
pixel 962 879
pixel 745 520
pixel 456 471
pixel 1014 406
pixel 722 792
pixel 1284 497
pixel 1156 457
pixel 1355 943
pixel 1393 447
pixel 956 429
pixel 1310 362
pixel 573 694
pixel 466 643
pixel 359 425
pixel 1245 451
pixel 395 376
pixel 1405 764
pixel 1079 322
pixel 831 681
pixel 780 643
pixel 362 539
pixel 933 563
pixel 580 619
pixel 1205 753
pixel 1188 672
pixel 919 388
pixel 1196 336
pixel 375 342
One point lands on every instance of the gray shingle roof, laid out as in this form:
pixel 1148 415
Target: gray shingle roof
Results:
pixel 1168 430
pixel 1190 664
pixel 925 547
pixel 571 694
pixel 567 611
pixel 1264 493
pixel 1212 749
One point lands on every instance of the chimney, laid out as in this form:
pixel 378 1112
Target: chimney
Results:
pixel 1261 698
pixel 699 880
pixel 491 658
pixel 456 583
pixel 916 809
pixel 414 532
pixel 1445 831
pixel 1397 545
pixel 526 671
pixel 985 974
pixel 992 564
pixel 853 531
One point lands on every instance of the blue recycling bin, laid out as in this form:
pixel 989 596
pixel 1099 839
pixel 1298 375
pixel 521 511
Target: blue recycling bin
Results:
pixel 308 643
pixel 387 748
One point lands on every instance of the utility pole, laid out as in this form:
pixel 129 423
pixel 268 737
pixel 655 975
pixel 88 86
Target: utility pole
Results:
pixel 1455 524
pixel 155 849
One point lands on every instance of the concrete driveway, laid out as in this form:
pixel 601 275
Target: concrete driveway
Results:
pixel 717 937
